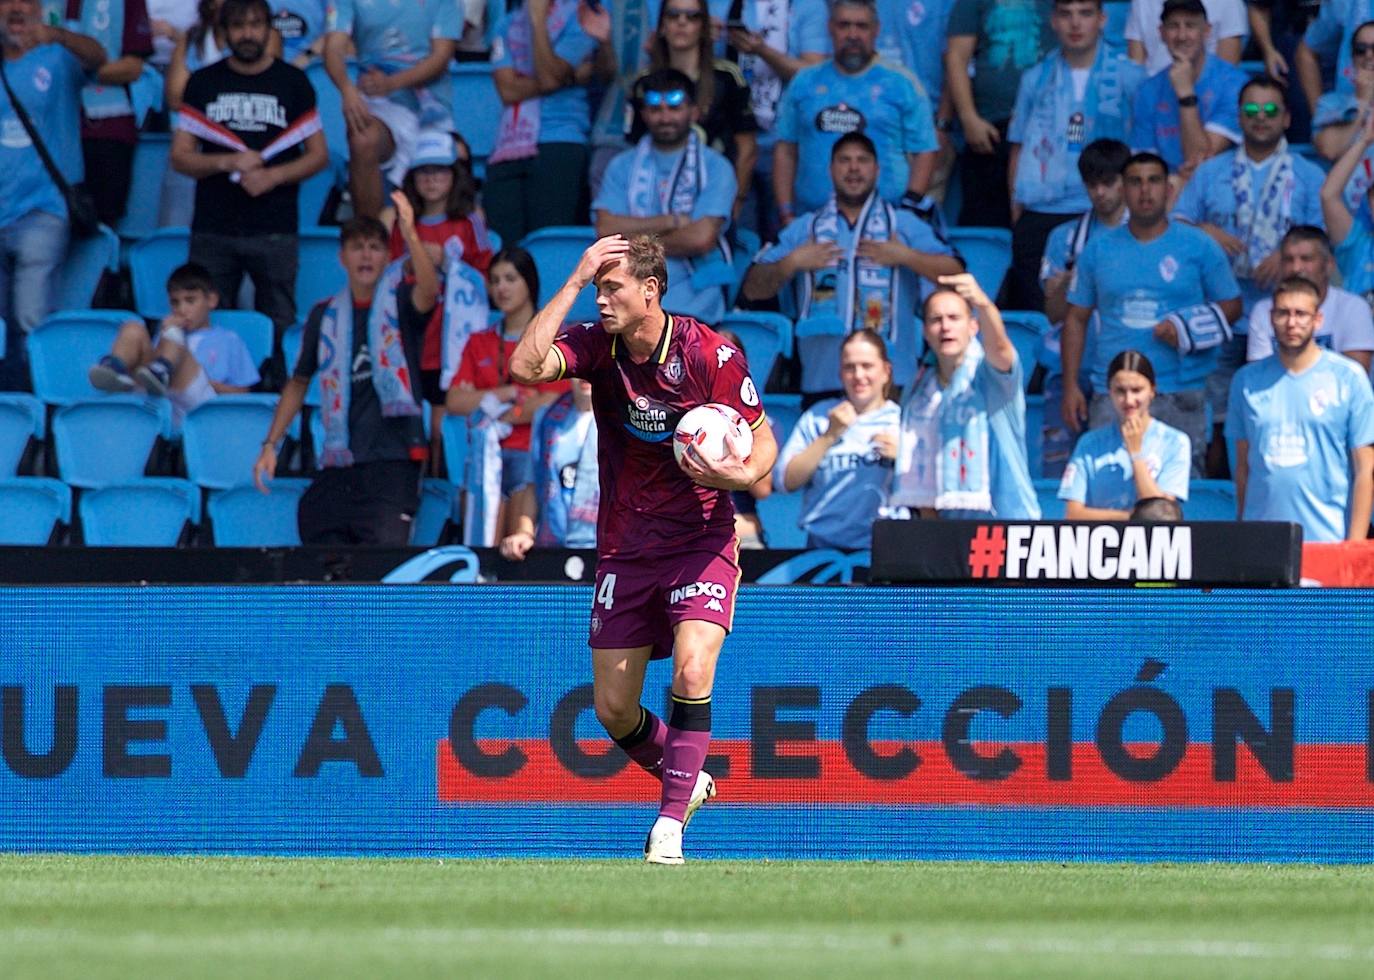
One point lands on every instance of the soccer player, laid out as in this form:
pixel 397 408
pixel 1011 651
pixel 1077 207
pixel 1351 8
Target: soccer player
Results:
pixel 667 564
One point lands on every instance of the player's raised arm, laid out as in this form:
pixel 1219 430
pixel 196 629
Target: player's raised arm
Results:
pixel 534 360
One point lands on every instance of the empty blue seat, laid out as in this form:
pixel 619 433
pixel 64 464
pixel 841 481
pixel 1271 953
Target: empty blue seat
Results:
pixel 148 513
pixel 766 337
pixel 477 106
pixel 31 507
pixel 316 188
pixel 437 501
pixel 784 411
pixel 329 104
pixel 253 328
pixel 454 432
pixel 1051 507
pixel 1026 328
pixel 151 260
pixel 88 259
pixel 319 276
pixel 780 513
pixel 747 245
pixel 244 517
pixel 556 251
pixel 108 440
pixel 21 419
pixel 222 439
pixel 987 254
pixel 1210 500
pixel 145 187
pixel 817 340
pixel 64 346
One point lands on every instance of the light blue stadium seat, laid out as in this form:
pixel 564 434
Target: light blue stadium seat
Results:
pixel 784 410
pixel 253 328
pixel 477 106
pixel 329 104
pixel 1035 436
pixel 64 346
pixel 556 251
pixel 747 245
pixel 438 499
pixel 987 254
pixel 148 513
pixel 145 187
pixel 454 431
pixel 1026 328
pixel 1210 500
pixel 21 419
pixel 107 441
pixel 779 514
pixel 31 507
pixel 244 517
pixel 766 338
pixel 222 438
pixel 319 276
pixel 88 259
pixel 817 340
pixel 1051 507
pixel 316 188
pixel 151 261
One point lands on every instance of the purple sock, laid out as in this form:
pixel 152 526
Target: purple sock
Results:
pixel 644 745
pixel 684 751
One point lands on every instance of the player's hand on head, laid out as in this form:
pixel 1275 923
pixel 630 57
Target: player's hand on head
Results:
pixel 601 252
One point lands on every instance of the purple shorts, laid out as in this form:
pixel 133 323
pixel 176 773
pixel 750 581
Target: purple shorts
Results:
pixel 639 601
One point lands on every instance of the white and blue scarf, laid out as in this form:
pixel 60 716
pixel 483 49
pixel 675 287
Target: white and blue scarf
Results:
pixel 963 479
pixel 628 21
pixel 465 309
pixel 679 196
pixel 390 369
pixel 567 514
pixel 875 291
pixel 1261 221
pixel 765 87
pixel 517 137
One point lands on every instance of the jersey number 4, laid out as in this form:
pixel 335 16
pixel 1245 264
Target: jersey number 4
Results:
pixel 605 594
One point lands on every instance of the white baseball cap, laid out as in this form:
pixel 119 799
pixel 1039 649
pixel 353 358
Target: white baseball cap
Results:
pixel 434 148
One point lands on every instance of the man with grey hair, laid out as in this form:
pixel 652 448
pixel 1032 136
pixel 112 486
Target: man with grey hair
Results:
pixel 853 90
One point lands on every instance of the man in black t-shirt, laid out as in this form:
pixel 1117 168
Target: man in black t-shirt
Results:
pixel 374 444
pixel 249 133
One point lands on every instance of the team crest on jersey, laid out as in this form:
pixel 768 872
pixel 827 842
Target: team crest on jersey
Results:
pixel 1168 268
pixel 672 371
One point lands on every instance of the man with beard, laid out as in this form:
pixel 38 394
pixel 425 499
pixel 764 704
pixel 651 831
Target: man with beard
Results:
pixel 671 185
pixel 248 133
pixel 855 91
pixel 858 258
pixel 1303 422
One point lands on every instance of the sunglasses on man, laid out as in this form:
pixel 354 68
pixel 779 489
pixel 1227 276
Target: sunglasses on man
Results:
pixel 1270 110
pixel 677 13
pixel 671 99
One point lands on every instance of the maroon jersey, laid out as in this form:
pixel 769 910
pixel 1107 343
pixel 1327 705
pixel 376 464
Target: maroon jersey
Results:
pixel 647 503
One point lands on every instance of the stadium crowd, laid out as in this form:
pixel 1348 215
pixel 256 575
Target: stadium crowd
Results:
pixel 1009 258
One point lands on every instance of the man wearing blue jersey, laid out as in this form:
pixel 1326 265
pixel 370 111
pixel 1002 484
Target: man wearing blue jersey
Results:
pixel 855 90
pixel 1186 113
pixel 1164 289
pixel 1080 93
pixel 1351 229
pixel 1303 422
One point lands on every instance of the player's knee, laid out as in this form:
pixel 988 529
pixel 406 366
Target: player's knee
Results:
pixel 618 713
pixel 692 676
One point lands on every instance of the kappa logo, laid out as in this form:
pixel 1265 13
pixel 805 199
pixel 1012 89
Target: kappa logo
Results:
pixel 715 606
pixel 723 354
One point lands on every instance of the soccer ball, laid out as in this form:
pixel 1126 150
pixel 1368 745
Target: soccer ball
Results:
pixel 716 430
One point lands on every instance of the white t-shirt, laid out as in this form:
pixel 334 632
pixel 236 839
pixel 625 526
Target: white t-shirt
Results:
pixel 1080 82
pixel 1227 17
pixel 1346 325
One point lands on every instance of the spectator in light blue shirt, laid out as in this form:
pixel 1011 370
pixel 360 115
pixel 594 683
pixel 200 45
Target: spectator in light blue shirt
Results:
pixel 1351 230
pixel 1080 93
pixel 1303 424
pixel 1186 113
pixel 673 186
pixel 1163 288
pixel 855 90
pixel 840 453
pixel 1133 458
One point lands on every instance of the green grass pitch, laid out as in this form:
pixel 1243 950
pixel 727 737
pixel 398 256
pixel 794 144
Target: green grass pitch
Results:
pixel 95 917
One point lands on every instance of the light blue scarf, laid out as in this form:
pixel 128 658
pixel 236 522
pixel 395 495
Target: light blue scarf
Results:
pixel 567 514
pixel 628 20
pixel 517 137
pixel 685 184
pixel 465 309
pixel 875 291
pixel 1261 221
pixel 962 473
pixel 390 371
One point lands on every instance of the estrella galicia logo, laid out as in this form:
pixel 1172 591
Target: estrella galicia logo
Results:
pixel 840 119
pixel 649 420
